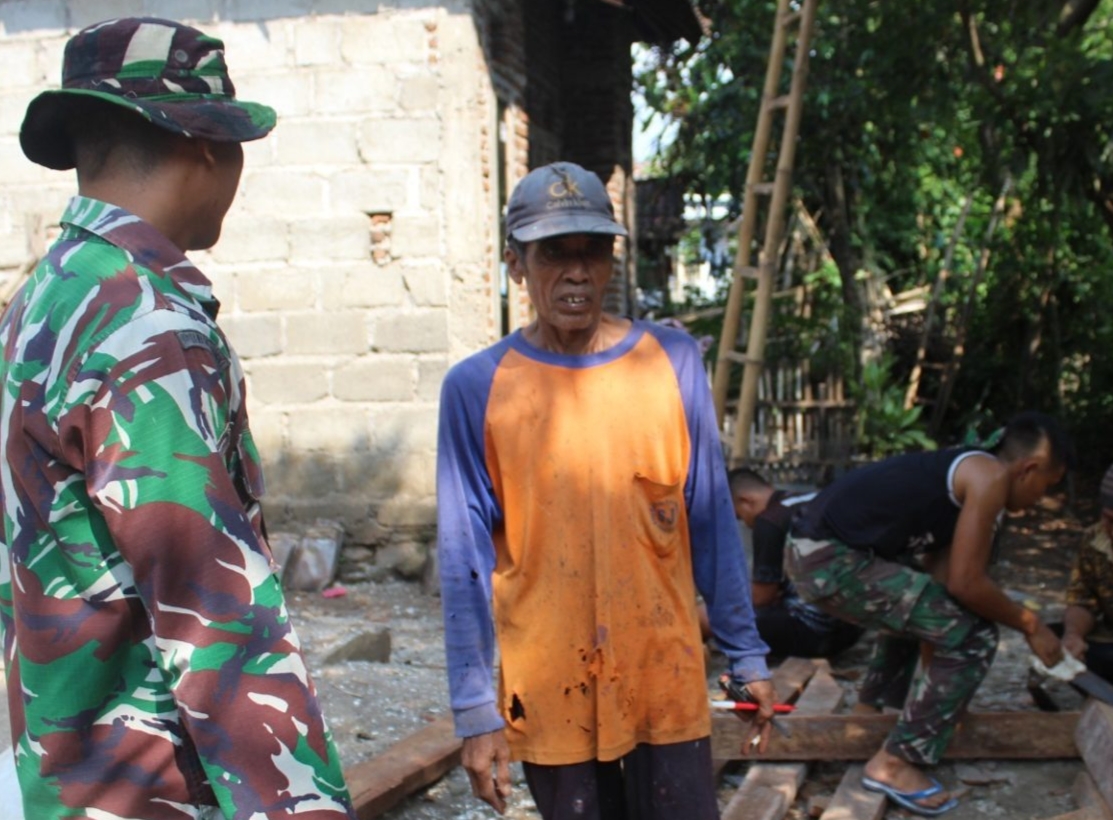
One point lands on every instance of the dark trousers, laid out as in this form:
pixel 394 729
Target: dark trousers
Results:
pixel 649 783
pixel 788 635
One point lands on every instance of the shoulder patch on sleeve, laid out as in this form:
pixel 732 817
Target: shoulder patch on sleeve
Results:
pixel 195 338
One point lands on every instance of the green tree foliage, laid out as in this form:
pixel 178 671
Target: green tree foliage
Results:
pixel 912 107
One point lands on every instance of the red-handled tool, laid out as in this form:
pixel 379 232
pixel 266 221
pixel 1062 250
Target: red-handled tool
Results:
pixel 750 706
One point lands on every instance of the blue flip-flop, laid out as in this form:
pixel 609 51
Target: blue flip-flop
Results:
pixel 908 800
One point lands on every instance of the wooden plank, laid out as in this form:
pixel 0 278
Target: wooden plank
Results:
pixel 769 789
pixel 767 792
pixel 1094 737
pixel 1002 735
pixel 852 802
pixel 379 784
pixel 1087 796
pixel 789 677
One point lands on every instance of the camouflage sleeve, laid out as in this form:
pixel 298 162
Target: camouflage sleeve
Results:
pixel 148 415
pixel 1080 590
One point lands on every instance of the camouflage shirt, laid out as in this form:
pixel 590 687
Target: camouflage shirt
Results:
pixel 1091 577
pixel 152 667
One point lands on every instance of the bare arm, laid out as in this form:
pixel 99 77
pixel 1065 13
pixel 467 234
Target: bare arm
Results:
pixel 765 594
pixel 981 484
pixel 1078 622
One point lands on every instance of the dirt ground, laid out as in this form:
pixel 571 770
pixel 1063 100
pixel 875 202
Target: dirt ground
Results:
pixel 371 704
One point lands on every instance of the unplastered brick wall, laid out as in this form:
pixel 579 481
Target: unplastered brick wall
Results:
pixel 356 263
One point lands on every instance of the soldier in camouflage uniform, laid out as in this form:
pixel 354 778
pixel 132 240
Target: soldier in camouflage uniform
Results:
pixel 153 672
pixel 859 554
pixel 1088 619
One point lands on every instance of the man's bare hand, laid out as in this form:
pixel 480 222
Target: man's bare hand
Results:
pixel 758 733
pixel 486 758
pixel 1046 645
pixel 1075 644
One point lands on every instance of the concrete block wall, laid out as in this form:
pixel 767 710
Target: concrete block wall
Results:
pixel 358 259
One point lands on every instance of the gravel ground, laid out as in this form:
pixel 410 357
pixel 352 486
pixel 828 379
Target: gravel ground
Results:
pixel 372 704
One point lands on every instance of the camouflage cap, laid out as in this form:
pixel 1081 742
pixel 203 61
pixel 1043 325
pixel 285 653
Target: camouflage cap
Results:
pixel 172 75
pixel 560 198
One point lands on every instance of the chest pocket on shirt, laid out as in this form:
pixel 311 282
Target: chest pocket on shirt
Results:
pixel 660 511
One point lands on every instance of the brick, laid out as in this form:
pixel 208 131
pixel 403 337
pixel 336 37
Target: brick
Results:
pixel 198 12
pixel 254 337
pixel 405 430
pixel 347 7
pixel 250 238
pixel 50 51
pixel 430 376
pixel 277 290
pixel 334 239
pixel 316 42
pixel 21 66
pixel 407 512
pixel 384 40
pixel 332 430
pixel 419 332
pixel 316 142
pixel 301 475
pixel 14 248
pixel 375 378
pixel 371 190
pixel 355 90
pixel 257 154
pixel 265 10
pixel 408 140
pixel 290 93
pixel 416 237
pixel 367 286
pixel 420 93
pixel 86 12
pixel 427 284
pixel 274 191
pixel 370 474
pixel 280 381
pixel 263 46
pixel 16 168
pixel 268 429
pixel 26 16
pixel 333 334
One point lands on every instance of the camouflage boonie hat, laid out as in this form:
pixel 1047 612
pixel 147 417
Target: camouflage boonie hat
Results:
pixel 172 75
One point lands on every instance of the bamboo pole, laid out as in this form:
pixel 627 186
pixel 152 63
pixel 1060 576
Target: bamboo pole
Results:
pixel 728 339
pixel 755 350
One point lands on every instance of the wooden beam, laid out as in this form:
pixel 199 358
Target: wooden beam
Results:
pixel 1002 735
pixel 789 679
pixel 1094 737
pixel 1087 796
pixel 769 789
pixel 852 802
pixel 379 784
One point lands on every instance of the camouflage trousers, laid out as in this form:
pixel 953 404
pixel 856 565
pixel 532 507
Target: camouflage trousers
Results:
pixel 907 607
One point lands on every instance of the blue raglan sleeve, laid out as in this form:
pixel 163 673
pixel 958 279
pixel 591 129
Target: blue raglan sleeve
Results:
pixel 718 560
pixel 467 515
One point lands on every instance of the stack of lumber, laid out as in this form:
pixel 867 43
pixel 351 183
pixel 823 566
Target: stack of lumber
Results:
pixel 817 733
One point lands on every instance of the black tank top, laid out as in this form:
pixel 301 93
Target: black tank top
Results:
pixel 902 505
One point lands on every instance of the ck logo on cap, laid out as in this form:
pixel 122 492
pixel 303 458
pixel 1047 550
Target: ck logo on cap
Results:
pixel 566 193
pixel 566 186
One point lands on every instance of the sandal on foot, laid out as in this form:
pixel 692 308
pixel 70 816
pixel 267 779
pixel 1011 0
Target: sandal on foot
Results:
pixel 908 800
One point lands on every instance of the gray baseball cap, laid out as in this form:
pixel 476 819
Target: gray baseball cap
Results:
pixel 560 198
